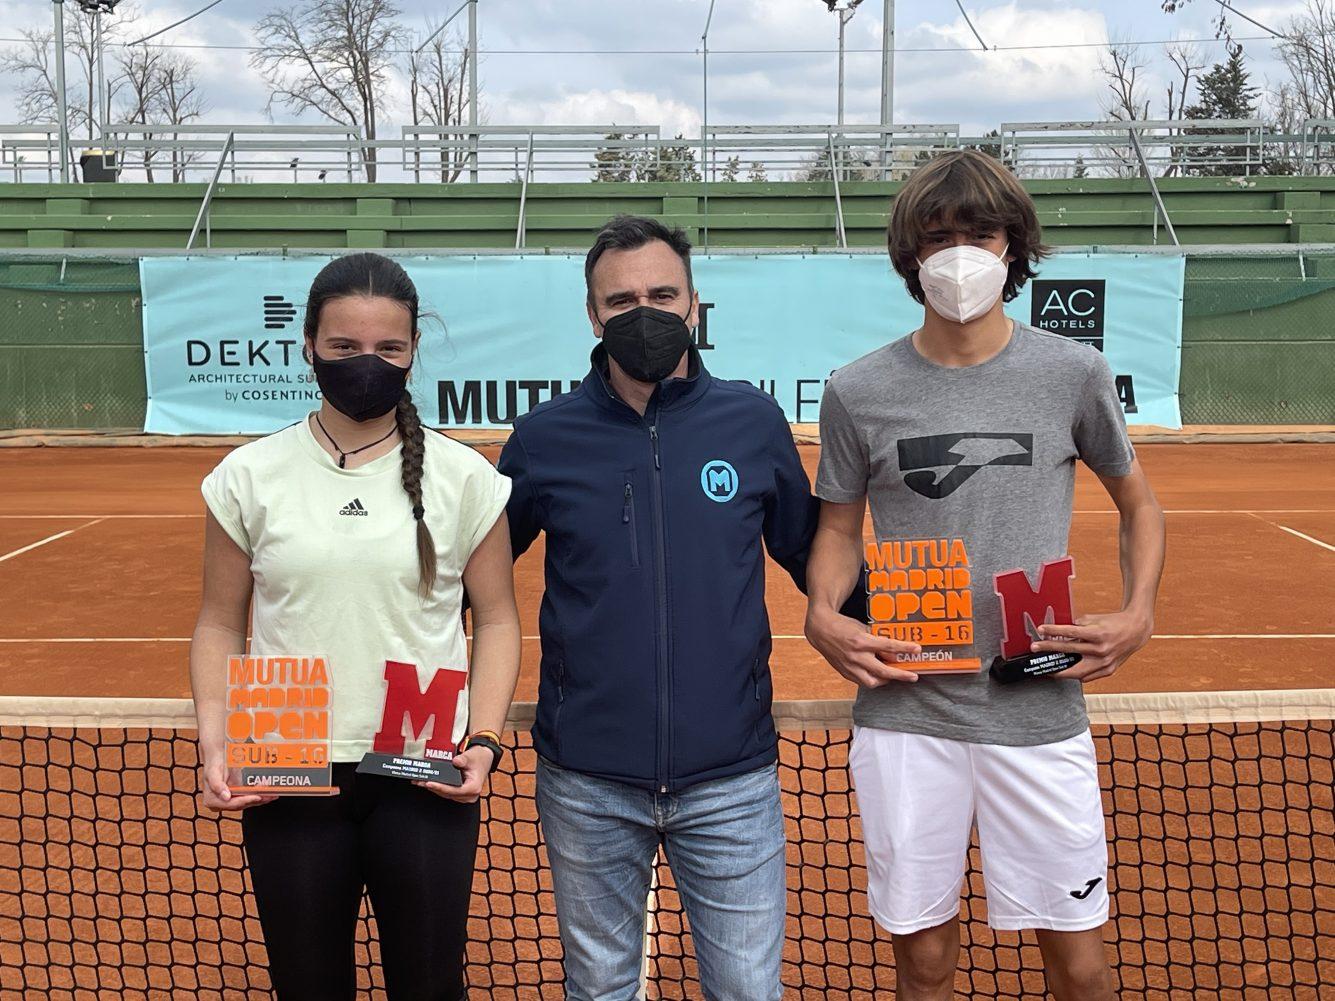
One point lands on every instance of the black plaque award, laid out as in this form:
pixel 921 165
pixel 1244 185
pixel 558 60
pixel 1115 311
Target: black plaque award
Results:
pixel 410 708
pixel 1023 608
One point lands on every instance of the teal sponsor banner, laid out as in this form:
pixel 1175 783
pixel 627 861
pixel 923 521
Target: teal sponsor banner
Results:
pixel 223 336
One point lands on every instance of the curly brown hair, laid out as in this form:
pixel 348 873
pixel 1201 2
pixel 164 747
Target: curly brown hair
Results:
pixel 964 189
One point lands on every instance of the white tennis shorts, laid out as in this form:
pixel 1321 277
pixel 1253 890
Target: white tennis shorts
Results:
pixel 1040 830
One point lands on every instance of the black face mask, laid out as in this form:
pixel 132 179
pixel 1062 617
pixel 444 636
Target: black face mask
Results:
pixel 362 387
pixel 647 343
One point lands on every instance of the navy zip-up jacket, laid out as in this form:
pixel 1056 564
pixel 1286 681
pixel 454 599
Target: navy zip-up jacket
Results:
pixel 655 637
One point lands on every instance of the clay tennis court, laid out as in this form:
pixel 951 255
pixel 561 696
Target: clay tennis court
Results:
pixel 1222 830
pixel 100 572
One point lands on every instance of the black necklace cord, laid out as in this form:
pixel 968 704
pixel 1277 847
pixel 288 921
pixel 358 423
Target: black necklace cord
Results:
pixel 342 455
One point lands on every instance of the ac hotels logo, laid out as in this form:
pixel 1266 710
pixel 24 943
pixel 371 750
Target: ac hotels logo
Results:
pixel 1074 309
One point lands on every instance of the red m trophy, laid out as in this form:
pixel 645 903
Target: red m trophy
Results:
pixel 408 705
pixel 1023 609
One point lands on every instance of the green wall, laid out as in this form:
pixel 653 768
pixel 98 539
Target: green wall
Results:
pixel 1101 211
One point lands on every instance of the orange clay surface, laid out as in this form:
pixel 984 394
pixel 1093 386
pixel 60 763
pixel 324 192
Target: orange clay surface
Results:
pixel 107 610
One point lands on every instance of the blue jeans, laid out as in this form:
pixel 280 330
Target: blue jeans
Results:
pixel 725 843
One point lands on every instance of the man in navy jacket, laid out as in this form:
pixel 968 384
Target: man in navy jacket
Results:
pixel 656 485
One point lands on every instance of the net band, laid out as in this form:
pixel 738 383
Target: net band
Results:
pixel 1141 709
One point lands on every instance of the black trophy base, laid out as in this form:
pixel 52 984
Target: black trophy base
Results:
pixel 397 766
pixel 1031 665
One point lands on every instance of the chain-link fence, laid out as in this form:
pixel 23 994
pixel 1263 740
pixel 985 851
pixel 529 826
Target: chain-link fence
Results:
pixel 71 343
pixel 1258 339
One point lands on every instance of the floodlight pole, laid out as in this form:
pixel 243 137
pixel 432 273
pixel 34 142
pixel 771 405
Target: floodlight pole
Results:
pixel 887 80
pixel 63 123
pixel 472 76
pixel 845 16
pixel 704 124
pixel 472 89
pixel 103 109
pixel 704 100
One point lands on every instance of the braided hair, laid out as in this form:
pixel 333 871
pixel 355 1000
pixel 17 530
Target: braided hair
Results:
pixel 376 275
pixel 414 446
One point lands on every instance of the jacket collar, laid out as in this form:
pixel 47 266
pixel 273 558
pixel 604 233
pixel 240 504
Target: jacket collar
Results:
pixel 671 394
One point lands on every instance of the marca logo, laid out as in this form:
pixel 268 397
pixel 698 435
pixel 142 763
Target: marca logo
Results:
pixel 410 711
pixel 354 508
pixel 1074 309
pixel 1023 606
pixel 719 480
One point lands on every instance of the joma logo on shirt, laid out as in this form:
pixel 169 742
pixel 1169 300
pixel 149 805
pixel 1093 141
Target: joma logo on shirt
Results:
pixel 938 465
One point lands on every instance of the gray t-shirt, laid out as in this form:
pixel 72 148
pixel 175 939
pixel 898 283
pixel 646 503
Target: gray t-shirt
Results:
pixel 970 472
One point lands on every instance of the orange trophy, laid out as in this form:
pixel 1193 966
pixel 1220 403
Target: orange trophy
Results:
pixel 278 725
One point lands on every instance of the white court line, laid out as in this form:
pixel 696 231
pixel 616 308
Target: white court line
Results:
pixel 1228 510
pixel 1315 542
pixel 49 538
pixel 1292 531
pixel 104 517
pixel 1222 510
pixel 1103 511
pixel 795 637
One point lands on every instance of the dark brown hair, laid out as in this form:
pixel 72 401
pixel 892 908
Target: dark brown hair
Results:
pixel 369 274
pixel 630 232
pixel 965 190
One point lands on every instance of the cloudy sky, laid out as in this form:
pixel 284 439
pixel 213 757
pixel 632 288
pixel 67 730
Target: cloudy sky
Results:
pixel 771 61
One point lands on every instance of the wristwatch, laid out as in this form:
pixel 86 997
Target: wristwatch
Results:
pixel 488 739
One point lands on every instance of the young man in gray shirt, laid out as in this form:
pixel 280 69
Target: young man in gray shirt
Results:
pixel 963 436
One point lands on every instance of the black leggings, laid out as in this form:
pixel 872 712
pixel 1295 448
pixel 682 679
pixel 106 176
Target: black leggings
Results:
pixel 310 859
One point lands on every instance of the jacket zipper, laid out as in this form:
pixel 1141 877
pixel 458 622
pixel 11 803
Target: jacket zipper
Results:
pixel 628 518
pixel 560 702
pixel 660 567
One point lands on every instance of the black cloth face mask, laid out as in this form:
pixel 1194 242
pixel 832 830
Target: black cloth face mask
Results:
pixel 646 342
pixel 362 387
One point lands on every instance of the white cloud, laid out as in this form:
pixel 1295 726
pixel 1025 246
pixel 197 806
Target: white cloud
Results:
pixel 600 107
pixel 1013 78
pixel 977 90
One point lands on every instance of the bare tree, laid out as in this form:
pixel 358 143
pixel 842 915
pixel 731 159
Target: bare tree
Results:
pixel 32 61
pixel 1188 60
pixel 1308 53
pixel 1222 28
pixel 331 57
pixel 178 102
pixel 1125 100
pixel 140 71
pixel 1285 120
pixel 438 96
pixel 852 163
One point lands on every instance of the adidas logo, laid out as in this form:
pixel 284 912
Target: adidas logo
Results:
pixel 355 508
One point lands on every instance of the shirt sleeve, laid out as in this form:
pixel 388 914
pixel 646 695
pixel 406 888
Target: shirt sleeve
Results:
pixel 1100 428
pixel 845 466
pixel 485 495
pixel 524 511
pixel 225 497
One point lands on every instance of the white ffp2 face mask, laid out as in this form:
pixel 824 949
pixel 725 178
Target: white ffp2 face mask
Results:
pixel 962 283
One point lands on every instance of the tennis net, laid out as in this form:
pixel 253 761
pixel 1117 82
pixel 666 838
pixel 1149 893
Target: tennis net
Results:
pixel 113 883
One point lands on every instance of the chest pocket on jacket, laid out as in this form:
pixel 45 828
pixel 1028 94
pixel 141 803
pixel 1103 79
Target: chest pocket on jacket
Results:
pixel 630 511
